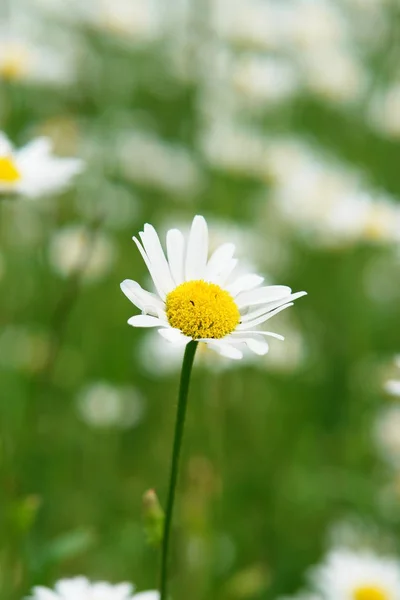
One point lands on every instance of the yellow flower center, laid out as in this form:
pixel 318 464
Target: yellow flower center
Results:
pixel 8 170
pixel 13 65
pixel 202 310
pixel 370 593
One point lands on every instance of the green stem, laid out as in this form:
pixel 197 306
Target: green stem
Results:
pixel 179 426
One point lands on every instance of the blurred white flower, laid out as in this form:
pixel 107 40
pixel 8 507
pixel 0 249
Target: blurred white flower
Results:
pixel 336 75
pixel 263 79
pixel 139 21
pixel 387 433
pixel 328 200
pixel 312 25
pixel 80 588
pixel 362 575
pixel 33 171
pixel 23 348
pixel 153 162
pixel 234 147
pixel 392 386
pixel 76 249
pixel 251 23
pixel 31 53
pixel 384 111
pixel 103 405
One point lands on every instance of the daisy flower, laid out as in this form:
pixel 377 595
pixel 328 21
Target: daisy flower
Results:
pixel 80 588
pixel 349 575
pixel 392 386
pixel 193 299
pixel 32 170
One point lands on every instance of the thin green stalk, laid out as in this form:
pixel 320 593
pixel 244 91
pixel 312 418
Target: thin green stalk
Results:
pixel 179 426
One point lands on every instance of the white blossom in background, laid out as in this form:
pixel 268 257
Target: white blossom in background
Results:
pixel 139 21
pixel 32 170
pixel 80 588
pixel 326 199
pixel 75 249
pixel 105 405
pixel 23 348
pixel 150 161
pixel 335 75
pixel 235 148
pixel 250 23
pixel 392 386
pixel 261 79
pixel 384 111
pixel 387 433
pixel 362 575
pixel 31 52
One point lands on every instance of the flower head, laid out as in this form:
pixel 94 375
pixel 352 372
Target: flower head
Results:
pixel 392 386
pixel 80 588
pixel 348 575
pixel 32 170
pixel 197 299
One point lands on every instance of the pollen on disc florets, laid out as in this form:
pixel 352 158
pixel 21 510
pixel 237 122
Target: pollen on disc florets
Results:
pixel 370 593
pixel 202 310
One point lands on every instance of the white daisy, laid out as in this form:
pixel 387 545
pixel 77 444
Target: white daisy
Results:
pixel 193 300
pixel 349 575
pixel 80 588
pixel 32 170
pixel 392 386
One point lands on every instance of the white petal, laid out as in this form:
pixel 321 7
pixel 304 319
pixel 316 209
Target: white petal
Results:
pixel 145 301
pixel 261 295
pixel 259 347
pixel 175 252
pixel 217 263
pixel 175 336
pixel 42 593
pixel 252 332
pixel 34 150
pixel 197 250
pixel 252 340
pixel 262 318
pixel 146 321
pixel 225 349
pixel 5 145
pixel 153 595
pixel 266 308
pixel 153 272
pixel 155 253
pixel 226 272
pixel 244 283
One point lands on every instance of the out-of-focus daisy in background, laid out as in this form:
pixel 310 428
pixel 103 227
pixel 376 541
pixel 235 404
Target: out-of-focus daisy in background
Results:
pixel 392 386
pixel 33 170
pixel 327 199
pixel 361 575
pixel 387 434
pixel 82 588
pixel 78 249
pixel 31 53
pixel 104 405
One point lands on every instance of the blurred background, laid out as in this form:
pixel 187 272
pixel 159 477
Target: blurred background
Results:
pixel 279 121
